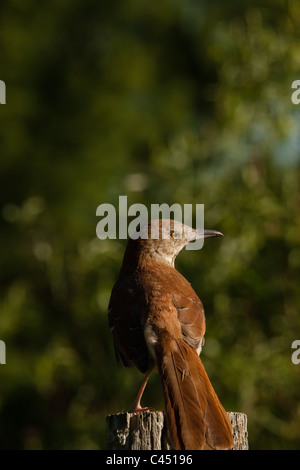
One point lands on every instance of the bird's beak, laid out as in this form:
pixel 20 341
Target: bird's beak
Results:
pixel 207 234
pixel 212 233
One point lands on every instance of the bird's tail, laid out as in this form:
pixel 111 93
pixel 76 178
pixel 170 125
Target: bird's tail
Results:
pixel 196 418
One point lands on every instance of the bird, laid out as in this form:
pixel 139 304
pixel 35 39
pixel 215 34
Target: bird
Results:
pixel 158 324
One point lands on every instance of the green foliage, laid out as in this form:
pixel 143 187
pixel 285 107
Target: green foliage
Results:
pixel 183 102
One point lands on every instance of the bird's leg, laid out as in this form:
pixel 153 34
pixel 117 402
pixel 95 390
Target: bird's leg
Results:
pixel 136 407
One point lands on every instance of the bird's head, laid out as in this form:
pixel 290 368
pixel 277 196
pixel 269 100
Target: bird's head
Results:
pixel 163 239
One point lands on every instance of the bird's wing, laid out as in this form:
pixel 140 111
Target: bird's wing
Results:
pixel 192 319
pixel 125 317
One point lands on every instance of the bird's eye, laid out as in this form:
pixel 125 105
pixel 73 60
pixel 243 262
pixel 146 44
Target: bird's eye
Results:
pixel 175 235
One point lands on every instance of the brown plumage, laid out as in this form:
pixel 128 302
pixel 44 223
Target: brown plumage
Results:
pixel 157 321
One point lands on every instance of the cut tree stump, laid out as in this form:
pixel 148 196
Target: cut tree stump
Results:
pixel 148 431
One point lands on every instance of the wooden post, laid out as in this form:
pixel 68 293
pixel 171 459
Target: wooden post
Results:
pixel 147 431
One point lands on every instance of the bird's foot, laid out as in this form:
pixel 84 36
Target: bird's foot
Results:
pixel 139 409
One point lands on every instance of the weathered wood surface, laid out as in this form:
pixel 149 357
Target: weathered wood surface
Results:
pixel 148 431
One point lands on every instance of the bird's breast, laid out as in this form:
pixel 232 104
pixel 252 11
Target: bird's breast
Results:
pixel 151 339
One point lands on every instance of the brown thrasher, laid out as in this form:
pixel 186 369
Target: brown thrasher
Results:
pixel 157 321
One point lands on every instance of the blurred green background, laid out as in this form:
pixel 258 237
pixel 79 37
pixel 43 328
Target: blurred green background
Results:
pixel 168 101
